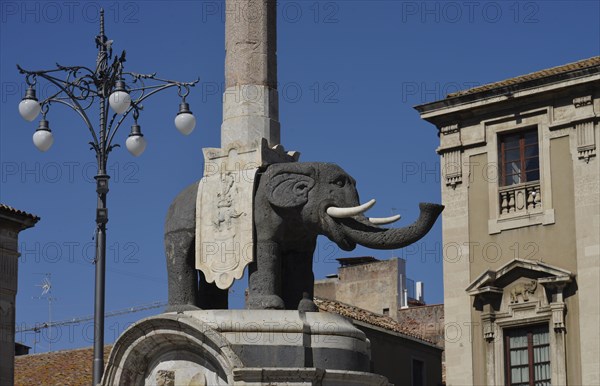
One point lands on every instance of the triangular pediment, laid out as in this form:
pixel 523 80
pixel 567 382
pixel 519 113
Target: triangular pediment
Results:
pixel 494 280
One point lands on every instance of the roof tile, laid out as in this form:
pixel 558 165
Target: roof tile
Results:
pixel 10 210
pixel 68 367
pixel 369 317
pixel 591 62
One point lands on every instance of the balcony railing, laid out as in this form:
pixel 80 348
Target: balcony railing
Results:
pixel 520 199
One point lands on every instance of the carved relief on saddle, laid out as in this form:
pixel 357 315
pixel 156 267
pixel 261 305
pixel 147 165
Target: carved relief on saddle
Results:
pixel 224 212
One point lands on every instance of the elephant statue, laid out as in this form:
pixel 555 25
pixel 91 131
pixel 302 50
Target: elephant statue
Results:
pixel 523 289
pixel 293 204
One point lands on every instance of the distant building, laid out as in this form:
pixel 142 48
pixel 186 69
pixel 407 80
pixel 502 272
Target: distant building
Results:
pixel 521 228
pixel 399 353
pixel 406 336
pixel 12 221
pixel 361 281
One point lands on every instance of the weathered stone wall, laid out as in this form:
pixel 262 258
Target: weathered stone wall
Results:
pixel 426 321
pixel 326 288
pixel 374 287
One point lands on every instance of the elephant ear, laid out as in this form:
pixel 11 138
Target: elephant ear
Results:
pixel 288 187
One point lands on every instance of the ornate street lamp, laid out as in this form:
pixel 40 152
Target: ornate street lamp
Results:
pixel 79 90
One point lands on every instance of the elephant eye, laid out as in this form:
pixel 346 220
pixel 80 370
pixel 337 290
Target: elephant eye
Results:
pixel 341 182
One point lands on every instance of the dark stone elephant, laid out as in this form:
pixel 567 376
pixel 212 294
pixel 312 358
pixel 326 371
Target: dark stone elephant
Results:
pixel 293 204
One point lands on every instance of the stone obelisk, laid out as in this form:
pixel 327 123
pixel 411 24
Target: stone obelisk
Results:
pixel 250 101
pixel 250 140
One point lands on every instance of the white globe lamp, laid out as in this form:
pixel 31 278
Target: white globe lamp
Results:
pixel 42 138
pixel 29 107
pixel 136 143
pixel 119 100
pixel 185 121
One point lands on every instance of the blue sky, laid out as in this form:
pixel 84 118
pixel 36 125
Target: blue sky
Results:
pixel 349 74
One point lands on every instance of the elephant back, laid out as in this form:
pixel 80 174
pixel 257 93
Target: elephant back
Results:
pixel 182 212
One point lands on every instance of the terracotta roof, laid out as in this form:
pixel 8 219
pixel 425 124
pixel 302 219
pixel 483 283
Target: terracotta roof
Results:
pixel 372 318
pixel 591 62
pixel 10 210
pixel 69 367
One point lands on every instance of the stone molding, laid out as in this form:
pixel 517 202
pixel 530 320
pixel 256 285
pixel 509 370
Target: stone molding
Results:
pixel 536 209
pixel 139 351
pixel 515 295
pixel 306 377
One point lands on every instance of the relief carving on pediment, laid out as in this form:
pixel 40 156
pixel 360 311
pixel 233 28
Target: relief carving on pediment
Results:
pixel 520 288
pixel 524 296
pixel 523 290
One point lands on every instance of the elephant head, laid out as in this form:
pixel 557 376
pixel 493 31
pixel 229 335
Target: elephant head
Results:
pixel 323 198
pixel 296 202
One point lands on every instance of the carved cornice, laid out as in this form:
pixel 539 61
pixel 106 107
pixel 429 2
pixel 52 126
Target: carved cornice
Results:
pixel 487 320
pixel 586 141
pixel 450 129
pixel 453 167
pixel 582 101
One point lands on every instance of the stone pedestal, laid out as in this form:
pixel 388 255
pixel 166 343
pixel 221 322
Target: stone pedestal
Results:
pixel 241 347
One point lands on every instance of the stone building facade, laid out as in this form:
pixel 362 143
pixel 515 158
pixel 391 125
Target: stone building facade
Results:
pixel 521 183
pixel 12 221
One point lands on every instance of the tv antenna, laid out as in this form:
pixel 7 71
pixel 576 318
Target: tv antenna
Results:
pixel 46 287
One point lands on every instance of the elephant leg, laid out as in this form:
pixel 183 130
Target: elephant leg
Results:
pixel 180 240
pixel 210 296
pixel 298 289
pixel 182 274
pixel 264 280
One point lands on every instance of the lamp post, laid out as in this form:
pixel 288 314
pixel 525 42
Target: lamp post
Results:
pixel 124 91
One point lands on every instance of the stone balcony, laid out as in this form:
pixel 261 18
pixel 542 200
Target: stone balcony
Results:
pixel 520 199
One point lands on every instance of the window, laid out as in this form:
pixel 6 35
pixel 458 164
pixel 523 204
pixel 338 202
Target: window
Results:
pixel 386 312
pixel 527 352
pixel 519 157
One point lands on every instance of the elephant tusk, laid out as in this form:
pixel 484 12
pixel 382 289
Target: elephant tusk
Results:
pixel 384 220
pixel 336 212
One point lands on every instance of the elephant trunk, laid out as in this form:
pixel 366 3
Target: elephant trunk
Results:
pixel 360 230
